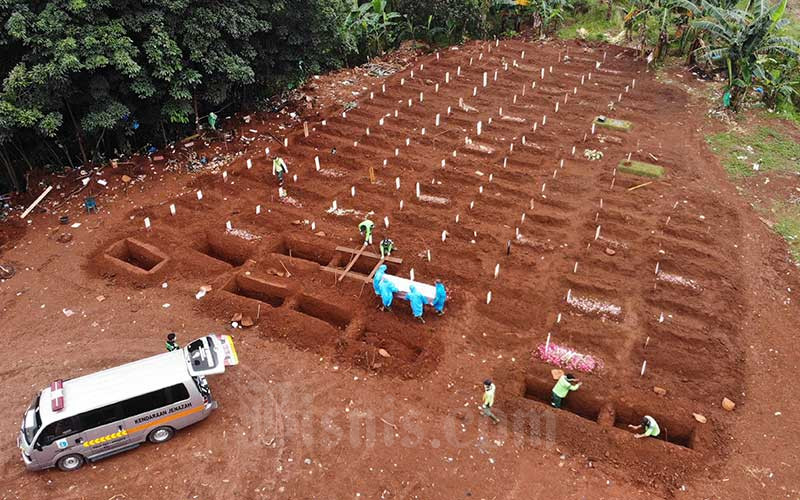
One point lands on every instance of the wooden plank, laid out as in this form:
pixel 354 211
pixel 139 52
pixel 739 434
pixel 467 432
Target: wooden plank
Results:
pixel 375 269
pixel 36 202
pixel 393 260
pixel 354 275
pixel 371 274
pixel 352 262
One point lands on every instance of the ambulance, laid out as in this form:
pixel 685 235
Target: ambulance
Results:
pixel 88 418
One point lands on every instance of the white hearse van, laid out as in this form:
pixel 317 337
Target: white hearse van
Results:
pixel 94 416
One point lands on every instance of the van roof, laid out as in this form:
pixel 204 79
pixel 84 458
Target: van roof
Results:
pixel 116 384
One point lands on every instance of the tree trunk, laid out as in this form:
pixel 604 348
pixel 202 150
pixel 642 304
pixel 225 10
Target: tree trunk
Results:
pixel 22 155
pixel 66 153
pixel 12 174
pixel 53 152
pixel 78 134
pixel 97 146
pixel 609 13
pixel 661 48
pixel 196 115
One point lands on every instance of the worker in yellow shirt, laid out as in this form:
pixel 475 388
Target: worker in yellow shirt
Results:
pixel 565 384
pixel 488 400
pixel 650 426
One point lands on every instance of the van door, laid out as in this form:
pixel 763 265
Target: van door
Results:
pixel 104 430
pixel 210 355
pixel 56 439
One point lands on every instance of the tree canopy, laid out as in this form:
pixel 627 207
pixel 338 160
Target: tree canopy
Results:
pixel 125 70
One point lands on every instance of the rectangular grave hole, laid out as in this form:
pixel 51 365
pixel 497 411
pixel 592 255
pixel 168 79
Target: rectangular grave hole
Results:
pixel 256 289
pixel 364 264
pixel 305 250
pixel 575 403
pixel 396 349
pixel 671 431
pixel 220 251
pixel 135 253
pixel 333 315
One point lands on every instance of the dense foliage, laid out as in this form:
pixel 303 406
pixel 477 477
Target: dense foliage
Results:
pixel 87 78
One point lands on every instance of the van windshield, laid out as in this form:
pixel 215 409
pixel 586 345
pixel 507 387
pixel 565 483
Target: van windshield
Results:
pixel 32 421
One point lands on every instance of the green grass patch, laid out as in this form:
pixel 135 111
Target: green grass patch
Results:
pixel 641 169
pixel 592 25
pixel 772 150
pixel 788 226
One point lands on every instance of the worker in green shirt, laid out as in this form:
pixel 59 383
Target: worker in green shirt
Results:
pixel 212 120
pixel 387 247
pixel 650 426
pixel 488 400
pixel 172 342
pixel 365 228
pixel 565 384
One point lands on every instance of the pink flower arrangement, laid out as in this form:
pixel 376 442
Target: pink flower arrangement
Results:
pixel 566 358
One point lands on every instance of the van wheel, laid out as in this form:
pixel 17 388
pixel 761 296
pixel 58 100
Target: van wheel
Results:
pixel 161 434
pixel 70 462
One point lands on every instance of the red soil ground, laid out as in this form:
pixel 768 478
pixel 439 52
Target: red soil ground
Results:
pixel 314 411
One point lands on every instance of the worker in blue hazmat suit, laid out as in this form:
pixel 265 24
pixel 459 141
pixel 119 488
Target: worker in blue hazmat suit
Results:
pixel 416 300
pixel 376 280
pixel 387 290
pixel 440 298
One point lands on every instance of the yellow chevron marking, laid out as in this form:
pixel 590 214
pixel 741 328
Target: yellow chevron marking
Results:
pixel 103 439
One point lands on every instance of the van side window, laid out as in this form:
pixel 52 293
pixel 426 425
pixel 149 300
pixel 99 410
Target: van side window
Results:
pixel 100 416
pixel 176 393
pixel 153 400
pixel 58 430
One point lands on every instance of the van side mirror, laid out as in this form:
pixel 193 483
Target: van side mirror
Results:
pixel 37 446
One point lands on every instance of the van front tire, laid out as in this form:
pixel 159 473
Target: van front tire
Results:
pixel 71 462
pixel 161 435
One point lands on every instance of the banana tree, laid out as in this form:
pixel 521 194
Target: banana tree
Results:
pixel 780 80
pixel 737 38
pixel 546 14
pixel 373 25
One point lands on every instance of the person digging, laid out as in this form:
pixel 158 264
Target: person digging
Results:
pixel 365 228
pixel 488 400
pixel 387 247
pixel 565 384
pixel 650 426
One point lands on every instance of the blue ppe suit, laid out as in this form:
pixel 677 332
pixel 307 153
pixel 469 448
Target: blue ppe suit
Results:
pixel 417 300
pixel 376 280
pixel 387 290
pixel 441 297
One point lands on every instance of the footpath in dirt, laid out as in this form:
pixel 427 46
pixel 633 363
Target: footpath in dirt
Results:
pixel 485 166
